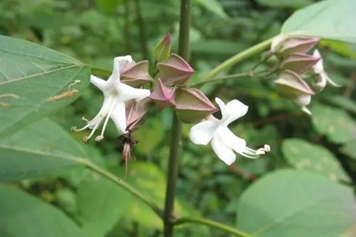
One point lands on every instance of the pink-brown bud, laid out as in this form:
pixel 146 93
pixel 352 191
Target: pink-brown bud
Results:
pixel 136 111
pixel 283 45
pixel 192 105
pixel 175 70
pixel 136 74
pixel 291 86
pixel 299 62
pixel 163 96
pixel 162 50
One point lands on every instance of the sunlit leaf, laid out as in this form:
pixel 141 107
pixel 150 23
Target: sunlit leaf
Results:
pixel 331 19
pixel 33 74
pixel 296 203
pixel 285 3
pixel 22 215
pixel 314 158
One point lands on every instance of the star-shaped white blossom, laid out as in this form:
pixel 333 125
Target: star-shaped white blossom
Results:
pixel 115 96
pixel 223 141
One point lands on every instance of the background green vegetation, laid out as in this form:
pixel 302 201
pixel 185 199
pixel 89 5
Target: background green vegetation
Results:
pixel 95 32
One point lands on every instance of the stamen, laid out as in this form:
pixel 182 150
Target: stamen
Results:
pixel 253 154
pixel 101 136
pixel 86 138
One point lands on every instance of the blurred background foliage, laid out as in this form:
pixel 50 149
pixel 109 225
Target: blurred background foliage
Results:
pixel 95 31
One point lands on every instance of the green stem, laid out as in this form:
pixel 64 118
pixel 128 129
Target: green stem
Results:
pixel 123 185
pixel 176 133
pixel 238 58
pixel 213 224
pixel 228 77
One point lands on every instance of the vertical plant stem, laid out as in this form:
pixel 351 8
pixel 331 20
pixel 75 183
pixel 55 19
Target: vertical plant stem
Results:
pixel 176 133
pixel 127 27
pixel 141 26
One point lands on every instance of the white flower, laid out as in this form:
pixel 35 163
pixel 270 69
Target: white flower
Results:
pixel 115 96
pixel 223 141
pixel 322 78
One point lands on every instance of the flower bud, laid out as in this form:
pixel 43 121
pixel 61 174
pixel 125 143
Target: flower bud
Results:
pixel 163 96
pixel 136 74
pixel 175 70
pixel 299 62
pixel 192 105
pixel 162 50
pixel 291 86
pixel 136 111
pixel 283 45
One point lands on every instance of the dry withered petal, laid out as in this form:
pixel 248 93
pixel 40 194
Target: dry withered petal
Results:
pixel 127 142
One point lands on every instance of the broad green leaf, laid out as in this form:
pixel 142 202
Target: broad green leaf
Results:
pixel 100 206
pixel 314 158
pixel 22 215
pixel 34 74
pixel 41 149
pixel 331 19
pixel 215 7
pixel 335 123
pixel 285 3
pixel 292 203
pixel 349 149
pixel 151 181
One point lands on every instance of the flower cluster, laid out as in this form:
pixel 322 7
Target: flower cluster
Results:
pixel 126 102
pixel 294 64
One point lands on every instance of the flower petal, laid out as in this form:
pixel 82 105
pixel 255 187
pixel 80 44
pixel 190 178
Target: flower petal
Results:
pixel 318 67
pixel 118 116
pixel 119 63
pixel 203 132
pixel 224 152
pixel 98 82
pixel 231 140
pixel 231 111
pixel 126 92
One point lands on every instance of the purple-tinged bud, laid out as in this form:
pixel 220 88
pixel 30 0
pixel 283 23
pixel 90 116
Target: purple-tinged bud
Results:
pixel 283 45
pixel 192 105
pixel 136 111
pixel 163 96
pixel 291 86
pixel 136 74
pixel 175 70
pixel 162 50
pixel 299 62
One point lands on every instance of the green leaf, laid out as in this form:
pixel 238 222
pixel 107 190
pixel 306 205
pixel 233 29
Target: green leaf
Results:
pixel 100 205
pixel 41 149
pixel 306 156
pixel 213 6
pixel 34 74
pixel 22 215
pixel 331 19
pixel 296 203
pixel 335 123
pixel 285 3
